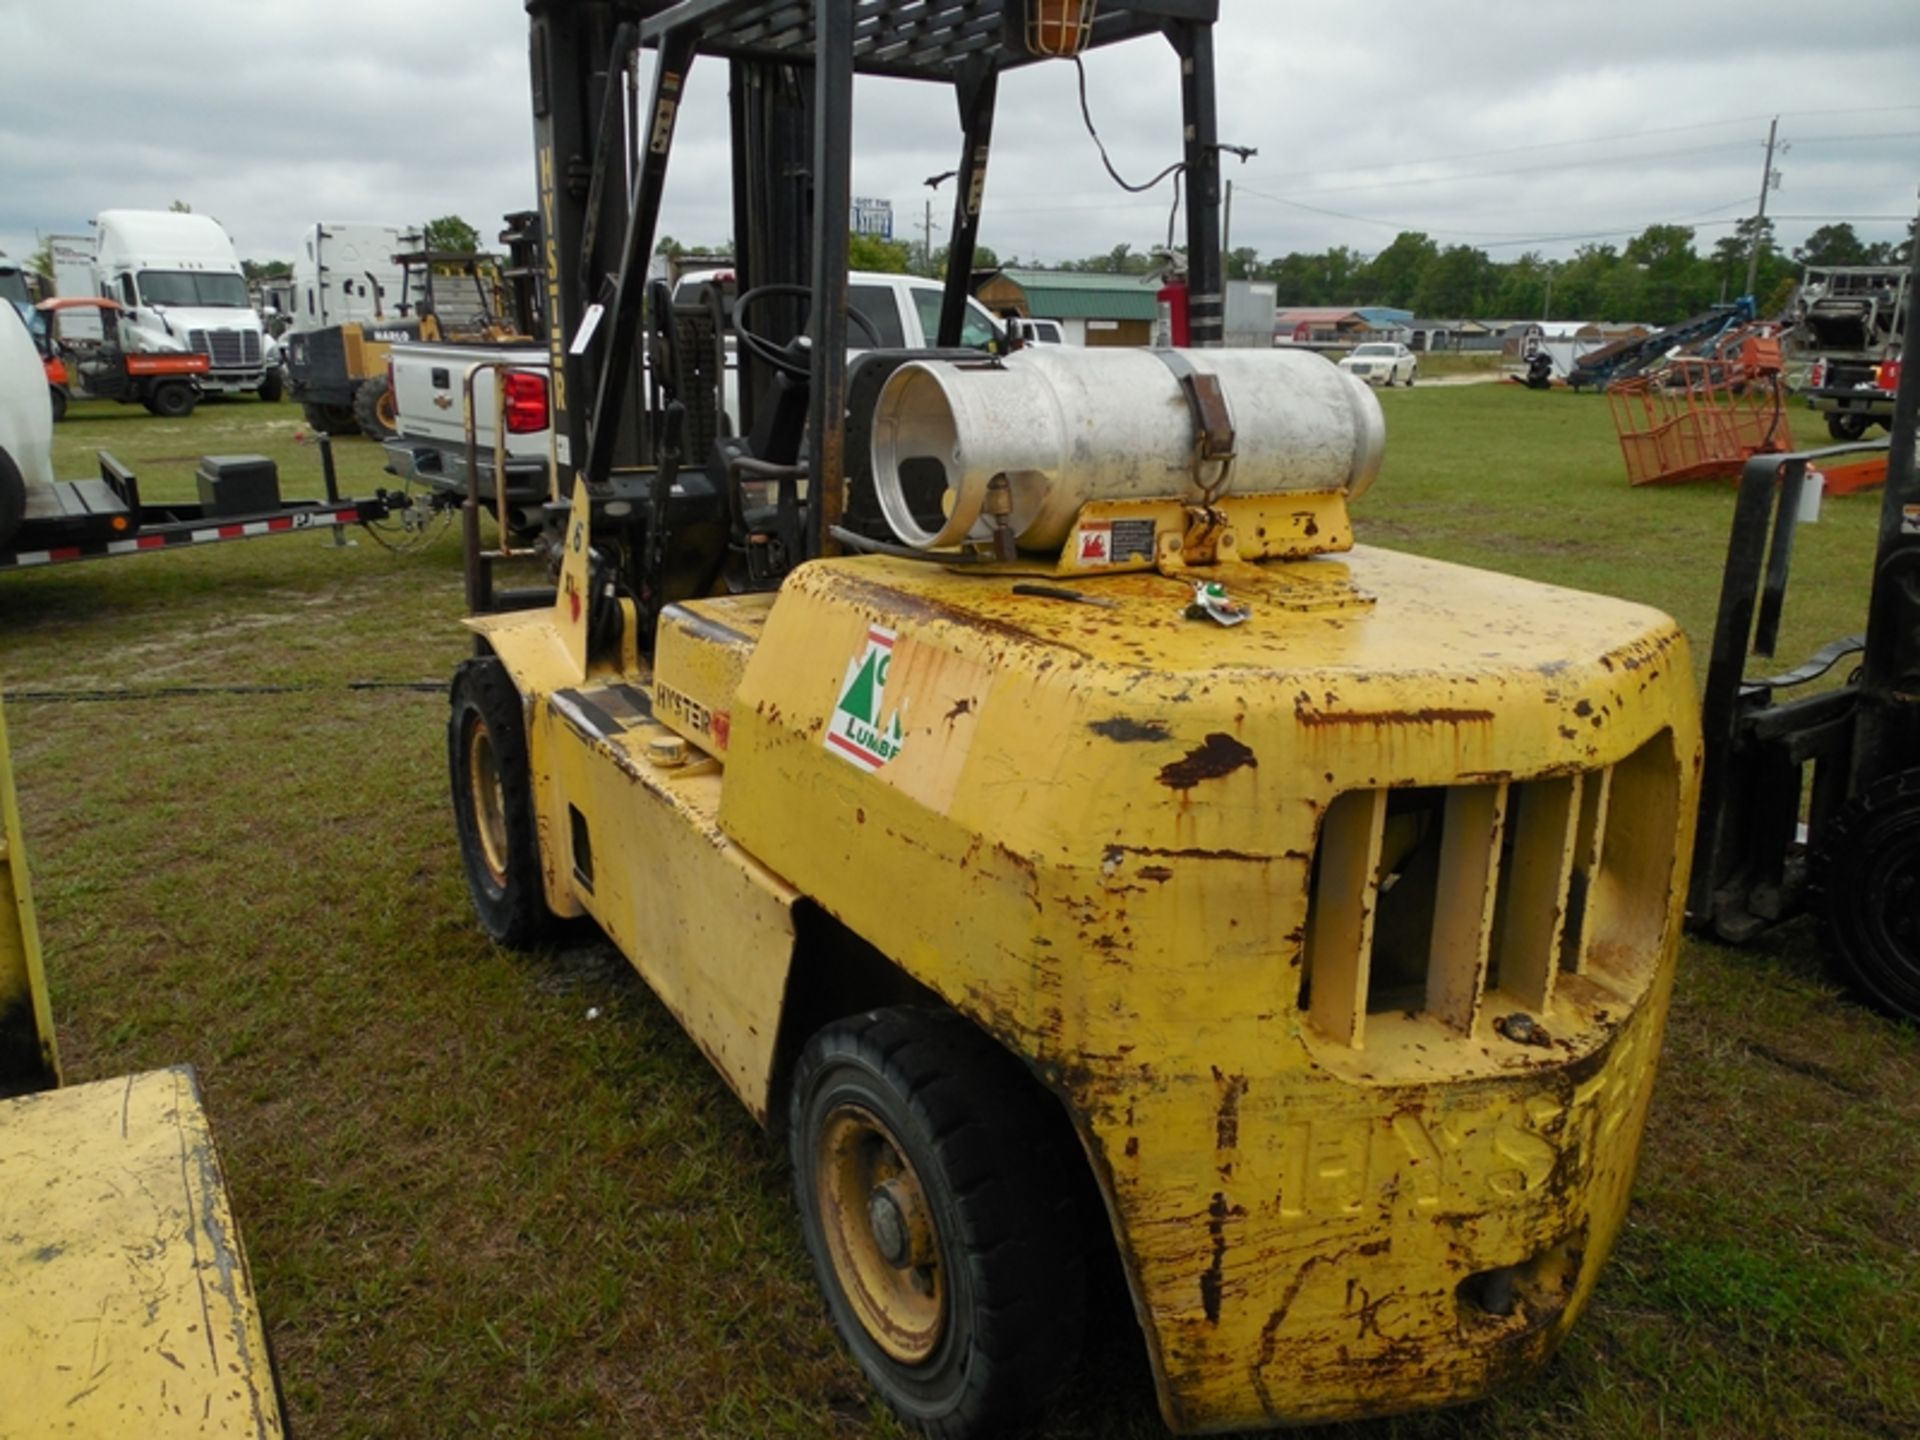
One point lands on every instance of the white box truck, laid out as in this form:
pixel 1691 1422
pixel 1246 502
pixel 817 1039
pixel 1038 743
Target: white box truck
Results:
pixel 183 290
pixel 73 275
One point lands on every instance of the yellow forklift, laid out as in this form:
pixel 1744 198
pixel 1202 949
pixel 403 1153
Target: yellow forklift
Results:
pixel 1037 808
pixel 125 1304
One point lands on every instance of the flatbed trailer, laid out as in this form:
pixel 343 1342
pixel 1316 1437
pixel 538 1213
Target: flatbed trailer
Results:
pixel 102 519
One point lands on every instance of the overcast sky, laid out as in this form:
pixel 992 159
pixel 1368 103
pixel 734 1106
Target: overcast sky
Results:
pixel 1510 126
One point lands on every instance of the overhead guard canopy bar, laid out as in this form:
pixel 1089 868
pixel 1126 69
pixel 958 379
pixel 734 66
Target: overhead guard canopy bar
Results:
pixel 958 42
pixel 906 39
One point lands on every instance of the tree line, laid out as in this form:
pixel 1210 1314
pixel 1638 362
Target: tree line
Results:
pixel 1657 277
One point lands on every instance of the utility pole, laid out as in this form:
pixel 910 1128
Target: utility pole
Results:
pixel 1226 233
pixel 1768 179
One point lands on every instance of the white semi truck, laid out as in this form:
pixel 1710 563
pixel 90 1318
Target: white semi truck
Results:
pixel 345 272
pixel 183 291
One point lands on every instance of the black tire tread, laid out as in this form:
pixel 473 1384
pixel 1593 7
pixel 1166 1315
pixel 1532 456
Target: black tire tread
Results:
pixel 515 915
pixel 13 498
pixel 330 419
pixel 172 408
pixel 998 1143
pixel 1839 865
pixel 366 408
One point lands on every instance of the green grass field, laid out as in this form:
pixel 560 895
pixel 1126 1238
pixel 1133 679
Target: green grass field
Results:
pixel 473 1210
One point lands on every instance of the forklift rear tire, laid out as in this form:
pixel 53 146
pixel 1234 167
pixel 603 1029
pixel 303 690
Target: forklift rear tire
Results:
pixel 373 409
pixel 1846 428
pixel 13 498
pixel 172 400
pixel 58 396
pixel 1867 889
pixel 330 419
pixel 934 1197
pixel 493 804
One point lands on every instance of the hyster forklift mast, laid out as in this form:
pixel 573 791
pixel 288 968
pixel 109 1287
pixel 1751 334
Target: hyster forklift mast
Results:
pixel 602 155
pixel 1013 776
pixel 1771 842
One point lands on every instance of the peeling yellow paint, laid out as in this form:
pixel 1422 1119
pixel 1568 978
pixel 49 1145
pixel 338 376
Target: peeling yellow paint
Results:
pixel 125 1304
pixel 1096 836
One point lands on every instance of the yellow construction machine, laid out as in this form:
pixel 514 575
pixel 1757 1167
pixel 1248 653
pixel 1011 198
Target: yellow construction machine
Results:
pixel 125 1304
pixel 1020 786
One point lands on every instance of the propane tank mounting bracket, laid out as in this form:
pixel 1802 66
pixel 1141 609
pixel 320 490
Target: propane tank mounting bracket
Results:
pixel 1214 440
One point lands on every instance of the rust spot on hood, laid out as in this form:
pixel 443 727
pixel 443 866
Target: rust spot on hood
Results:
pixel 1125 731
pixel 1226 1120
pixel 1218 755
pixel 1218 1214
pixel 1436 715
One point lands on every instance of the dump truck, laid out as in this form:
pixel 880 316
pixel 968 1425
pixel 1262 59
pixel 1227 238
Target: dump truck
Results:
pixel 1047 820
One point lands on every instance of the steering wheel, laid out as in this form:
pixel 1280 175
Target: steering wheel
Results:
pixel 789 359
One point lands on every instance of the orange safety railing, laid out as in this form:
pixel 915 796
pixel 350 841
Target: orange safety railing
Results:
pixel 1701 417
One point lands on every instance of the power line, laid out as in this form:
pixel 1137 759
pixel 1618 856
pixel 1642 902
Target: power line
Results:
pixel 1846 139
pixel 1444 230
pixel 1271 177
pixel 1557 167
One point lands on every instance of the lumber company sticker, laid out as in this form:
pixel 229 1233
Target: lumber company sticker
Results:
pixel 861 730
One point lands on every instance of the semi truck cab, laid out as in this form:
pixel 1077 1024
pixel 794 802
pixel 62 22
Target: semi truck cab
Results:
pixel 183 289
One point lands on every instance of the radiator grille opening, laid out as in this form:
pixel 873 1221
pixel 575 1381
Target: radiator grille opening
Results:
pixel 1459 903
pixel 1410 860
pixel 1626 903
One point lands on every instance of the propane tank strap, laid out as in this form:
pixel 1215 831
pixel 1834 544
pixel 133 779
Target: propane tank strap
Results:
pixel 1213 439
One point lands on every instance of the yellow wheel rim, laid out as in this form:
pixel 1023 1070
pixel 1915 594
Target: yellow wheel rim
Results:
pixel 489 799
pixel 386 412
pixel 880 1235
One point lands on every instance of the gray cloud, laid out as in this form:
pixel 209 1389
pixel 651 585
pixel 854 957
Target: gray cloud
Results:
pixel 1496 124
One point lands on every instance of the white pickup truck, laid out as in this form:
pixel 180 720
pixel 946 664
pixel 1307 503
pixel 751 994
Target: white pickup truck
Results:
pixel 430 447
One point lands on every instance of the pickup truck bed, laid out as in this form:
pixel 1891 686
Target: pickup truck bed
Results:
pixel 430 448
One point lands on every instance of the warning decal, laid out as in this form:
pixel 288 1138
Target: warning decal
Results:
pixel 860 729
pixel 1096 543
pixel 1133 540
pixel 1114 542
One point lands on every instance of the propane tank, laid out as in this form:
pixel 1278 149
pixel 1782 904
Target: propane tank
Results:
pixel 1067 426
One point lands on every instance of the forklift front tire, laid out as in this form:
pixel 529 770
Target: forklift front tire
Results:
pixel 1867 879
pixel 493 804
pixel 58 395
pixel 935 1201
